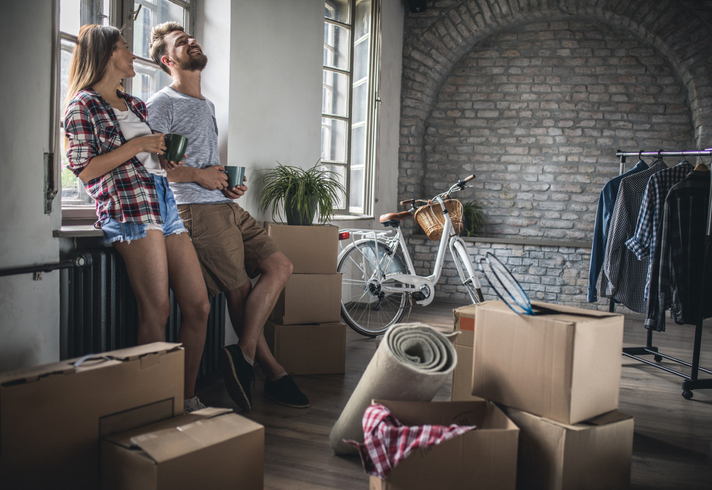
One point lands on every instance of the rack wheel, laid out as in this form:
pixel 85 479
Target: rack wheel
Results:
pixel 687 394
pixel 658 358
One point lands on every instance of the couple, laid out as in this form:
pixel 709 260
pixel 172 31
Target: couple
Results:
pixel 115 147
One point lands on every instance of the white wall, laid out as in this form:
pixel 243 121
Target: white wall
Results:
pixel 29 309
pixel 213 34
pixel 275 87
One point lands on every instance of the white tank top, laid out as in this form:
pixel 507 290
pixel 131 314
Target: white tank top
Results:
pixel 131 126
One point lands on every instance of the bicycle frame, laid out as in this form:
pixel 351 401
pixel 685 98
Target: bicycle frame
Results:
pixel 411 282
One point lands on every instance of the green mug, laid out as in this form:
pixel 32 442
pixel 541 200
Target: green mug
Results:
pixel 235 175
pixel 176 145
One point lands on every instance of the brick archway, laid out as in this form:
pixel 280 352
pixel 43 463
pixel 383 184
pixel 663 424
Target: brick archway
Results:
pixel 430 55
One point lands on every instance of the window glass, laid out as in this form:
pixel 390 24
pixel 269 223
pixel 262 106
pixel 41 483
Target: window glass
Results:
pixel 340 175
pixel 338 10
pixel 75 13
pixel 151 14
pixel 335 96
pixel 149 79
pixel 333 139
pixel 336 46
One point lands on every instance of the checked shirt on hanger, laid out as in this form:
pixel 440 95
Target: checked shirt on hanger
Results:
pixel 623 277
pixel 645 239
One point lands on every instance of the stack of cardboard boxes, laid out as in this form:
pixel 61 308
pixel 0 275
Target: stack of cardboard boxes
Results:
pixel 557 376
pixel 305 331
pixel 117 418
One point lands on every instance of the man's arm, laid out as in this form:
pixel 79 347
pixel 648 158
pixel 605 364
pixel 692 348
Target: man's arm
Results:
pixel 210 178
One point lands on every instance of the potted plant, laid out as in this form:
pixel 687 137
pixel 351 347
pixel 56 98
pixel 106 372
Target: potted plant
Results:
pixel 300 192
pixel 473 218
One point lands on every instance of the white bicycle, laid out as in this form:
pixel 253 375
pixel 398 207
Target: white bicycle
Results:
pixel 379 283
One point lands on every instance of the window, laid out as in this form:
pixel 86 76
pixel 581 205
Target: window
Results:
pixel 350 99
pixel 137 19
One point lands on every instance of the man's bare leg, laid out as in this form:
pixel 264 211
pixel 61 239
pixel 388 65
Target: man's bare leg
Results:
pixel 249 309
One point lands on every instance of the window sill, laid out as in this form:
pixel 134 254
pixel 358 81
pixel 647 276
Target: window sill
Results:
pixel 77 231
pixel 351 217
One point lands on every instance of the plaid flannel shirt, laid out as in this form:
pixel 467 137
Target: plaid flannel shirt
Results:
pixel 387 442
pixel 676 281
pixel 127 193
pixel 623 278
pixel 645 238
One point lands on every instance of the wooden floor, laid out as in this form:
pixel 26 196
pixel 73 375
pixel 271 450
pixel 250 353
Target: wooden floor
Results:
pixel 672 446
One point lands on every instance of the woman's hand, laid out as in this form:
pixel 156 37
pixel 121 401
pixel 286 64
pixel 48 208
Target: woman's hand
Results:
pixel 168 165
pixel 152 143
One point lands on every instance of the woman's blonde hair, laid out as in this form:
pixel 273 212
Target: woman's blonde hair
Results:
pixel 90 58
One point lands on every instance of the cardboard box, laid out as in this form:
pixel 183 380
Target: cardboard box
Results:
pixel 483 458
pixel 312 249
pixel 318 348
pixel 563 363
pixel 462 375
pixel 211 448
pixel 464 322
pixel 593 454
pixel 309 298
pixel 52 417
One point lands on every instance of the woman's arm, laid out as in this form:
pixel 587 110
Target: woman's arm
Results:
pixel 102 164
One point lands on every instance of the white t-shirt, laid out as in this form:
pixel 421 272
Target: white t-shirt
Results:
pixel 131 127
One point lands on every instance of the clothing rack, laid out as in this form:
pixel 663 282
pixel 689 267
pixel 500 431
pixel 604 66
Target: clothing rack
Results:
pixel 691 381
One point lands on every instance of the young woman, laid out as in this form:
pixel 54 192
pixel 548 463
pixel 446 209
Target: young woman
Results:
pixel 116 155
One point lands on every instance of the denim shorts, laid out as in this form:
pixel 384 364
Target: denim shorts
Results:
pixel 172 224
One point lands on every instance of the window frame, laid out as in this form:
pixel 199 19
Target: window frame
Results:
pixel 372 112
pixel 121 13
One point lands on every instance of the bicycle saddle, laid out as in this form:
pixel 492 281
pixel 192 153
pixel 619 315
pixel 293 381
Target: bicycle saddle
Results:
pixel 394 219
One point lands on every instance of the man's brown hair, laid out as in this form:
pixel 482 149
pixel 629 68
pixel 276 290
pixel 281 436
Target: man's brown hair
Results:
pixel 157 48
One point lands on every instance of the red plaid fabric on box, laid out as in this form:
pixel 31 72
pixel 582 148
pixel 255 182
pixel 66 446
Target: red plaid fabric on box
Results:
pixel 387 441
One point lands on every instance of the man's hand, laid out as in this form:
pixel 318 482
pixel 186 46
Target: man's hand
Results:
pixel 212 178
pixel 236 192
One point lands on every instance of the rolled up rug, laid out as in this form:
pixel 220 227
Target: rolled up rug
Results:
pixel 411 364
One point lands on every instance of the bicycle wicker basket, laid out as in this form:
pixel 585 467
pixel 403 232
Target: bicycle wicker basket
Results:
pixel 431 219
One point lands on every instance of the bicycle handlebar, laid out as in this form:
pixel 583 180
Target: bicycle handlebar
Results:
pixel 458 186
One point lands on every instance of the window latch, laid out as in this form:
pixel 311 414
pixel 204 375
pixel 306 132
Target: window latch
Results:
pixel 134 14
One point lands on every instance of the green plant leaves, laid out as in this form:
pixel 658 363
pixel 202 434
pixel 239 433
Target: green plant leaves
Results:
pixel 302 185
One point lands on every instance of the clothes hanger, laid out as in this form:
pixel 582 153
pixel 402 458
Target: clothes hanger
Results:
pixel 701 167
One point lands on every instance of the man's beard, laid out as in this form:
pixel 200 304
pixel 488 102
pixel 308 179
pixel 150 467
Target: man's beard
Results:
pixel 194 63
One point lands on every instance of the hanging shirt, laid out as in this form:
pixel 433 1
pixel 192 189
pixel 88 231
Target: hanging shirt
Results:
pixel 645 238
pixel 606 201
pixel 677 271
pixel 623 275
pixel 387 442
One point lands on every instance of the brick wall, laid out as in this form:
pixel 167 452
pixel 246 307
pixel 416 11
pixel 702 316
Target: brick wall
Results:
pixel 555 274
pixel 538 113
pixel 535 97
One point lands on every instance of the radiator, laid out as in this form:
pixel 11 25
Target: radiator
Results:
pixel 99 311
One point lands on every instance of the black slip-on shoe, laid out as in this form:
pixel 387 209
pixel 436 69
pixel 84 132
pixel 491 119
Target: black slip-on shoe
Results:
pixel 286 392
pixel 238 375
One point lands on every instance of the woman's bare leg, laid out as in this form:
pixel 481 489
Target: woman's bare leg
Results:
pixel 186 280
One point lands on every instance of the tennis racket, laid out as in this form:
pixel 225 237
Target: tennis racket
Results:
pixel 505 285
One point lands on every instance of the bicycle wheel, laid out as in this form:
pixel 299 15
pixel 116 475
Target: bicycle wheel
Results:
pixel 467 272
pixel 365 306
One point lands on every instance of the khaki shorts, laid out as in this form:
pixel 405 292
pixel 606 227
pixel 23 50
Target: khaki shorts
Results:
pixel 229 242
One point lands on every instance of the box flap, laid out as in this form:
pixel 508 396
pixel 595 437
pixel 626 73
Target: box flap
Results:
pixel 571 310
pixel 190 433
pixel 99 360
pixel 125 438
